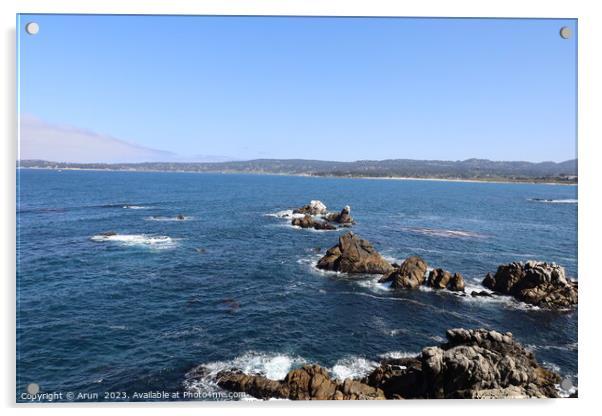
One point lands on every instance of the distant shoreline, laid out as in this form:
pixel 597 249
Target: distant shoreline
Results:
pixel 398 178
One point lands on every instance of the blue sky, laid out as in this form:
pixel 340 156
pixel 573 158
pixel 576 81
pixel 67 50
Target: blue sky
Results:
pixel 315 88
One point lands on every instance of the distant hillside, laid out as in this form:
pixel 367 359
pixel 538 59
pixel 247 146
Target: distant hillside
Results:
pixel 476 169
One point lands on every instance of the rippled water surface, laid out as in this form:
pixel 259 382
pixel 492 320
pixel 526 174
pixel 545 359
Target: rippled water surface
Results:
pixel 231 283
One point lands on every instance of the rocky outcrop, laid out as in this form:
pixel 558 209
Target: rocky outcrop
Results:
pixel 442 279
pixel 344 217
pixel 409 275
pixel 354 255
pixel 315 215
pixel 307 221
pixel 537 283
pixel 313 208
pixel 473 363
pixel 457 283
pixel 310 382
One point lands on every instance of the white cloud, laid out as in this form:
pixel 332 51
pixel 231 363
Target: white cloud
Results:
pixel 59 143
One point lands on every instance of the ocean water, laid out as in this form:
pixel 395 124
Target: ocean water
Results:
pixel 233 284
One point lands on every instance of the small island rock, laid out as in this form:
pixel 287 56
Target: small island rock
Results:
pixel 442 279
pixel 344 217
pixel 537 283
pixel 410 275
pixel 314 207
pixel 354 255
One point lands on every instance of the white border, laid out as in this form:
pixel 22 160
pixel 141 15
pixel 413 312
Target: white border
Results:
pixel 590 74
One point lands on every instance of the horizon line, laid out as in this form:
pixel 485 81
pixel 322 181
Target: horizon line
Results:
pixel 301 159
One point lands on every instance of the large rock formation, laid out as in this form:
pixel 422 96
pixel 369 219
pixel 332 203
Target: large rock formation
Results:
pixel 344 217
pixel 537 283
pixel 472 364
pixel 310 382
pixel 354 255
pixel 409 275
pixel 475 363
pixel 313 208
pixel 442 279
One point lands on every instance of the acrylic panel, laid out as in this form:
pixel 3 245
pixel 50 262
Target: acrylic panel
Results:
pixel 218 208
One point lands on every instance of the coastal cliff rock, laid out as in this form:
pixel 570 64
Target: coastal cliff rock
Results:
pixel 344 217
pixel 537 283
pixel 310 382
pixel 354 255
pixel 442 279
pixel 314 207
pixel 473 363
pixel 409 275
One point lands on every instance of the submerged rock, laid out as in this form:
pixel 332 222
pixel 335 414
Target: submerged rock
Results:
pixel 354 255
pixel 313 208
pixel 473 363
pixel 537 283
pixel 410 275
pixel 442 279
pixel 481 293
pixel 180 217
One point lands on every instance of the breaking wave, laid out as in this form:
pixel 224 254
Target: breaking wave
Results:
pixel 554 201
pixel 287 214
pixel 270 365
pixel 352 367
pixel 143 240
pixel 273 366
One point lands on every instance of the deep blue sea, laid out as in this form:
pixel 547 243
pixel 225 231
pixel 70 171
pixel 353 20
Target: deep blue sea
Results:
pixel 233 284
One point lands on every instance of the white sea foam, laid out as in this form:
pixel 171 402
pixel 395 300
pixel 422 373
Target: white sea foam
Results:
pixel 311 263
pixel 274 366
pixel 573 346
pixel 141 240
pixel 134 207
pixel 398 355
pixel 374 285
pixel 503 300
pixel 287 213
pixel 270 365
pixel 352 367
pixel 567 386
pixel 554 201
